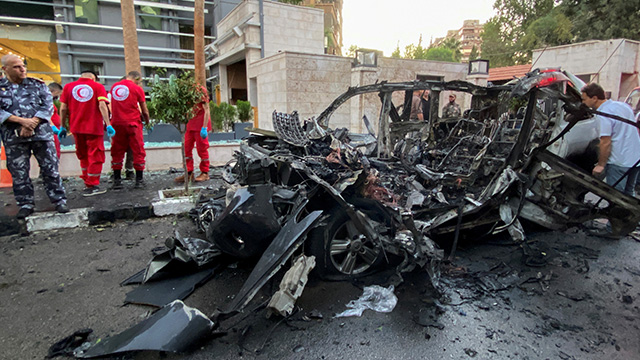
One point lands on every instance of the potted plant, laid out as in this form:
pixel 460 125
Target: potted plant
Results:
pixel 174 101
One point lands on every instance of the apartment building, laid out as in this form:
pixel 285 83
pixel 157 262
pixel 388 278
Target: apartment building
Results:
pixel 468 36
pixel 60 38
pixel 332 24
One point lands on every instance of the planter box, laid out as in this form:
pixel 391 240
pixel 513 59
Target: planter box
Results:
pixel 240 129
pixel 171 203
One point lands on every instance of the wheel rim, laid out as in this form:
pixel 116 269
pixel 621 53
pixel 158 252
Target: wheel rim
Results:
pixel 351 252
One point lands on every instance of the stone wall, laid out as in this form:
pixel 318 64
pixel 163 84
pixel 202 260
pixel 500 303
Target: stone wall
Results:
pixel 308 83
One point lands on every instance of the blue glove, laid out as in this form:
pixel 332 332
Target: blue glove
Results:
pixel 62 133
pixel 110 131
pixel 203 133
pixel 55 129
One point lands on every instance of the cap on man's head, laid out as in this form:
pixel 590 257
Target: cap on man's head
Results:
pixel 90 72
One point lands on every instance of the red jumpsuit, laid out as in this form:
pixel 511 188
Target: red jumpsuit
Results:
pixel 125 119
pixel 55 120
pixel 85 122
pixel 192 137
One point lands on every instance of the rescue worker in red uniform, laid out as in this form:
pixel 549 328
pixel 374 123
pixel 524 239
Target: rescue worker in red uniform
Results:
pixel 197 134
pixel 127 102
pixel 56 90
pixel 85 103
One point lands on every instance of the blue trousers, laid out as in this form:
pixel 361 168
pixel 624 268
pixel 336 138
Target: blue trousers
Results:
pixel 626 185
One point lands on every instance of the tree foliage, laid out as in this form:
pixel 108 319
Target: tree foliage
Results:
pixel 294 2
pixel 351 51
pixel 452 44
pixel 440 53
pixel 174 102
pixel 396 52
pixel 521 26
pixel 598 19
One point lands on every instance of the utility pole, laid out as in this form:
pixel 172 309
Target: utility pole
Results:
pixel 130 36
pixel 198 42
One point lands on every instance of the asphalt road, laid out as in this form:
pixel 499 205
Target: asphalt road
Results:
pixel 581 303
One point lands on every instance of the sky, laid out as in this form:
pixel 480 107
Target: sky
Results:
pixel 380 25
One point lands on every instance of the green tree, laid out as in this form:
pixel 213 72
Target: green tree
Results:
pixel 599 19
pixel 351 52
pixel 550 30
pixel 475 54
pixel 412 51
pixel 452 44
pixel 174 102
pixel 396 52
pixel 294 2
pixel 495 47
pixel 439 53
pixel 502 38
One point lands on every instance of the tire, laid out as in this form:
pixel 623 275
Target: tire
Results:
pixel 341 251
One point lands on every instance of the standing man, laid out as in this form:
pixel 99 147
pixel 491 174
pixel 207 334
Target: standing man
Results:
pixel 127 102
pixel 619 142
pixel 426 105
pixel 197 134
pixel 85 103
pixel 452 109
pixel 25 111
pixel 416 106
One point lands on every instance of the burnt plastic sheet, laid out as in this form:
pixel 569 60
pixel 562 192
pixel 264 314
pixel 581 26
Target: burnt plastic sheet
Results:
pixel 136 278
pixel 185 256
pixel 174 328
pixel 235 230
pixel 67 345
pixel 161 293
pixel 285 243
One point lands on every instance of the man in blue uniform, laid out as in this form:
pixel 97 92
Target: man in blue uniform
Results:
pixel 26 107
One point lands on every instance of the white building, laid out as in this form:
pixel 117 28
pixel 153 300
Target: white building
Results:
pixel 614 64
pixel 278 63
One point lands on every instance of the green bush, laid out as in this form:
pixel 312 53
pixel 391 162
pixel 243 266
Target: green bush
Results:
pixel 217 117
pixel 245 111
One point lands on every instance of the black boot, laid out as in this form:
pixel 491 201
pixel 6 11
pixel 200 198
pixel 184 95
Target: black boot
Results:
pixel 139 180
pixel 117 180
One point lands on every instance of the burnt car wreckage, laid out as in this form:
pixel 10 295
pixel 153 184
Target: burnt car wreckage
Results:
pixel 349 204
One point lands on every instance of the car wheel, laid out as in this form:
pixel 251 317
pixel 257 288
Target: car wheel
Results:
pixel 341 251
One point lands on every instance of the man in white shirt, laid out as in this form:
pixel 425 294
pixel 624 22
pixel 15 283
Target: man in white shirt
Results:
pixel 619 141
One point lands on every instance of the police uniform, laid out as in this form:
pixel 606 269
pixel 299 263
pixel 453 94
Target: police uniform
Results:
pixel 29 99
pixel 451 110
pixel 85 122
pixel 125 119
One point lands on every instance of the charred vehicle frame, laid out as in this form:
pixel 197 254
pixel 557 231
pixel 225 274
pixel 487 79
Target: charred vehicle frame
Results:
pixel 385 197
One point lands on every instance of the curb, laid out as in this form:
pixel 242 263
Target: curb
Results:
pixel 83 217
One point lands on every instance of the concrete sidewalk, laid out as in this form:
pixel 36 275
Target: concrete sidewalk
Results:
pixel 128 203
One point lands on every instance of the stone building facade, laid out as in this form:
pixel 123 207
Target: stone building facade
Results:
pixel 614 63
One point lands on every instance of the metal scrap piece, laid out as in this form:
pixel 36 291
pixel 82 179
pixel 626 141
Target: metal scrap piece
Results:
pixel 174 328
pixel 291 236
pixel 287 127
pixel 161 293
pixel 292 285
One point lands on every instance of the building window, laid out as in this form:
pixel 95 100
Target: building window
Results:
pixel 153 21
pixel 96 67
pixel 87 11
